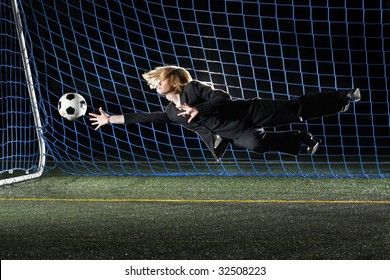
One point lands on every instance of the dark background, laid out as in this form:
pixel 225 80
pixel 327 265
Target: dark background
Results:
pixel 272 49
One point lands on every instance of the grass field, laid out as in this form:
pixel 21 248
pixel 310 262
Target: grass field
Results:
pixel 63 217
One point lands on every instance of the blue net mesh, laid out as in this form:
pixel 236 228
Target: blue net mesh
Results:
pixel 272 49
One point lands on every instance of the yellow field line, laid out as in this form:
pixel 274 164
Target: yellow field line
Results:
pixel 150 200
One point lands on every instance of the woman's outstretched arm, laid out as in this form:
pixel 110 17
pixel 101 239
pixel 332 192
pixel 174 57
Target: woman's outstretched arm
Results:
pixel 103 118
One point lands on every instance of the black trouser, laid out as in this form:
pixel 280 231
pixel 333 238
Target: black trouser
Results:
pixel 271 113
pixel 322 104
pixel 263 141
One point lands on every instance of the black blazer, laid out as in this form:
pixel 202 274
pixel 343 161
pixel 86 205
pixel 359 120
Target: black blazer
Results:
pixel 219 121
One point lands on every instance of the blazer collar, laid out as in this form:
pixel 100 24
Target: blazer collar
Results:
pixel 183 98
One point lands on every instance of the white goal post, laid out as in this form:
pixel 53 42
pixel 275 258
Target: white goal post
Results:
pixel 34 104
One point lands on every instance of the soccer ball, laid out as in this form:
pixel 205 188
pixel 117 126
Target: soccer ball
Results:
pixel 72 106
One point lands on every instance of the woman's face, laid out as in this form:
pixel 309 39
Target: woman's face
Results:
pixel 164 87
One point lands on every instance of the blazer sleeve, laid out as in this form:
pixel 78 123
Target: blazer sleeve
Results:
pixel 141 117
pixel 213 100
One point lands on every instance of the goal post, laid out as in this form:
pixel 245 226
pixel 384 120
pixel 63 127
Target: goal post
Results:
pixel 23 150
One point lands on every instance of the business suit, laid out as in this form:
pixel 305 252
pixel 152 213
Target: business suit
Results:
pixel 223 120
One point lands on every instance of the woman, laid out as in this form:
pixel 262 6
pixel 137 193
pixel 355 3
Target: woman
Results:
pixel 219 120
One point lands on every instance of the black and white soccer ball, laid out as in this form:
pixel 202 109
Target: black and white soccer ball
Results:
pixel 72 106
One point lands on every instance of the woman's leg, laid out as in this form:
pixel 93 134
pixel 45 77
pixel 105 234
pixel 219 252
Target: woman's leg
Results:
pixel 271 113
pixel 323 104
pixel 289 142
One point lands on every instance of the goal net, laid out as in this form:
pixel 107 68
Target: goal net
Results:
pixel 251 49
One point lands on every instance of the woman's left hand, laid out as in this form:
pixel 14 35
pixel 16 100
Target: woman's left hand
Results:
pixel 188 111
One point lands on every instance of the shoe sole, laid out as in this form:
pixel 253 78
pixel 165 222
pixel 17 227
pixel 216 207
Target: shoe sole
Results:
pixel 357 95
pixel 314 149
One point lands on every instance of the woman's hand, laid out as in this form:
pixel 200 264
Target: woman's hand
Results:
pixel 188 111
pixel 99 120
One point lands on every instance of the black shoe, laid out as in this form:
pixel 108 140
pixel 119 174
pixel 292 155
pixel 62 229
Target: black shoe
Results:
pixel 354 96
pixel 309 141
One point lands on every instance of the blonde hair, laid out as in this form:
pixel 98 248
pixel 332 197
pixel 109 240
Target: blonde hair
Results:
pixel 178 75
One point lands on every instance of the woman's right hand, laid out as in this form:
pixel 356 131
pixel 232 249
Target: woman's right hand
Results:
pixel 99 119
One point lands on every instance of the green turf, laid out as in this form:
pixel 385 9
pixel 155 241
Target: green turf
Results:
pixel 190 218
